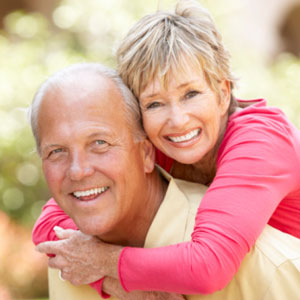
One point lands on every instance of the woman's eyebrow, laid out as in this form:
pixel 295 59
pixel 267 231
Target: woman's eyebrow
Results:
pixel 180 86
pixel 184 84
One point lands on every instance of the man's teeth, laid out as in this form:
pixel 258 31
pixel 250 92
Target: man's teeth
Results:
pixel 185 137
pixel 90 192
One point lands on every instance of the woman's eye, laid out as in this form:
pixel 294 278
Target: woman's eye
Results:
pixel 191 94
pixel 153 105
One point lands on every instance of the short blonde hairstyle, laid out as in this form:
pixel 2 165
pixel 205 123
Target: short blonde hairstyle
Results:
pixel 162 41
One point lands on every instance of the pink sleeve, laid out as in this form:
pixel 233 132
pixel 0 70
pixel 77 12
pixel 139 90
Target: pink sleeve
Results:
pixel 257 168
pixel 97 285
pixel 52 215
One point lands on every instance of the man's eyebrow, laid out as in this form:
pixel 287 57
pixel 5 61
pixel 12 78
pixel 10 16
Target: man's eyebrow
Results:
pixel 98 133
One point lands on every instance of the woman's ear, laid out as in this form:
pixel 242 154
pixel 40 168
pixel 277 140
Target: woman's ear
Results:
pixel 149 155
pixel 225 95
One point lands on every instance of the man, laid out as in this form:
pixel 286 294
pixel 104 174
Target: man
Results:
pixel 99 167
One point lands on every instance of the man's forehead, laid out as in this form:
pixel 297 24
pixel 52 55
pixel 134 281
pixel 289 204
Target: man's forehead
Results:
pixel 84 91
pixel 83 106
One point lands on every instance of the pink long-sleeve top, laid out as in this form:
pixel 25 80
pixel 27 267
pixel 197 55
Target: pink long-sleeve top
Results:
pixel 257 182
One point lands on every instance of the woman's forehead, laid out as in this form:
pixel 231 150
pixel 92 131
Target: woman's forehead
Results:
pixel 177 75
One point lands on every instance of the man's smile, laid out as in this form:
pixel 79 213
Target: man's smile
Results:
pixel 89 194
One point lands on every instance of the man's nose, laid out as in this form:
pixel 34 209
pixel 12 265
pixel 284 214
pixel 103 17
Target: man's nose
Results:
pixel 80 167
pixel 178 117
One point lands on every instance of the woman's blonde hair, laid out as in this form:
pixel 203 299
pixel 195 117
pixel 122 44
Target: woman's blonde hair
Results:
pixel 165 41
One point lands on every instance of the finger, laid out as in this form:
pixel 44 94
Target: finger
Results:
pixel 52 247
pixel 63 233
pixel 58 262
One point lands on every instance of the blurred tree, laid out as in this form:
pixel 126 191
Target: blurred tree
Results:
pixel 290 31
pixel 44 7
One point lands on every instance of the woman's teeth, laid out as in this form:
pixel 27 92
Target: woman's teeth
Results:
pixel 185 137
pixel 90 192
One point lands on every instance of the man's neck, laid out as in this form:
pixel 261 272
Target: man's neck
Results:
pixel 150 198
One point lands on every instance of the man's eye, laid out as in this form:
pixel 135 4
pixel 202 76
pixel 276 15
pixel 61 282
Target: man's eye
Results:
pixel 100 142
pixel 153 105
pixel 55 151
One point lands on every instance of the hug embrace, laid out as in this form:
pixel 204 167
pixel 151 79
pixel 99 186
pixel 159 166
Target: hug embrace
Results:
pixel 165 184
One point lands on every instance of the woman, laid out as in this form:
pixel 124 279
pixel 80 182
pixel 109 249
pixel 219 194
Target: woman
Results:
pixel 177 67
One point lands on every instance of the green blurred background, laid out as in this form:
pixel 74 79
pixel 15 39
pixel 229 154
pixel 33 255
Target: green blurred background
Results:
pixel 40 37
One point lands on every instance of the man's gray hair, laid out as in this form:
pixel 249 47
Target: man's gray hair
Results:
pixel 132 110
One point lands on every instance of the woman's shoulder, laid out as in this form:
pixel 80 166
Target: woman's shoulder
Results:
pixel 262 129
pixel 256 114
pixel 256 108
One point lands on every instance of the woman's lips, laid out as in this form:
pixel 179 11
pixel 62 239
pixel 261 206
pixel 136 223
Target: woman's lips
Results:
pixel 184 137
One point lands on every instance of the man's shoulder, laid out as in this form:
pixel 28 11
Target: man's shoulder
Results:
pixel 193 191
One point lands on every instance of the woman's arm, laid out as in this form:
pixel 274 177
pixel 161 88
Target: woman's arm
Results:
pixel 52 215
pixel 258 166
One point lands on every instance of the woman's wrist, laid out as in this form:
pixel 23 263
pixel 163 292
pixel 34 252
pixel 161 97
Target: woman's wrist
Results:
pixel 109 259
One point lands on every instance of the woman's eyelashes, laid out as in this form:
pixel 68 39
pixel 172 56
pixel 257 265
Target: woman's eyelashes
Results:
pixel 153 105
pixel 191 94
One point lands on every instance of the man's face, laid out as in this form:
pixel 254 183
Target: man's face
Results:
pixel 93 166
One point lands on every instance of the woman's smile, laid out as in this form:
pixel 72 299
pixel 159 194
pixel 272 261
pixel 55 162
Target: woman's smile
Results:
pixel 184 139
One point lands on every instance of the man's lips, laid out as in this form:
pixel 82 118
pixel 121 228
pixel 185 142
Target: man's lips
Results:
pixel 89 194
pixel 186 137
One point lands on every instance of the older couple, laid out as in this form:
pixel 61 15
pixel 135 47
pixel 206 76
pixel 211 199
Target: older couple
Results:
pixel 246 154
pixel 100 169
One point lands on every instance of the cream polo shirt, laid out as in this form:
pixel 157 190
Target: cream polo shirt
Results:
pixel 270 271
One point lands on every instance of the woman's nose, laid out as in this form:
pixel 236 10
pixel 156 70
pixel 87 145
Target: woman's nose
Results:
pixel 178 117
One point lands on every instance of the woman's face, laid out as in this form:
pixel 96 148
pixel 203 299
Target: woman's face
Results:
pixel 185 119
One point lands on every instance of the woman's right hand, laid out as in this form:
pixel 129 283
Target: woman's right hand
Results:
pixel 113 287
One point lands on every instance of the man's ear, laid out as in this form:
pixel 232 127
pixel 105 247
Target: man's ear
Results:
pixel 225 95
pixel 149 155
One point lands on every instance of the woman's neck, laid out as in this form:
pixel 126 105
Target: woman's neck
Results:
pixel 202 172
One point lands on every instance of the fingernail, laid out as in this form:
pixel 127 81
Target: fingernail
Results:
pixel 57 228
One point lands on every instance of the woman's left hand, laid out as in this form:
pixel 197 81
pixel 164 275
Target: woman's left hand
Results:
pixel 81 258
